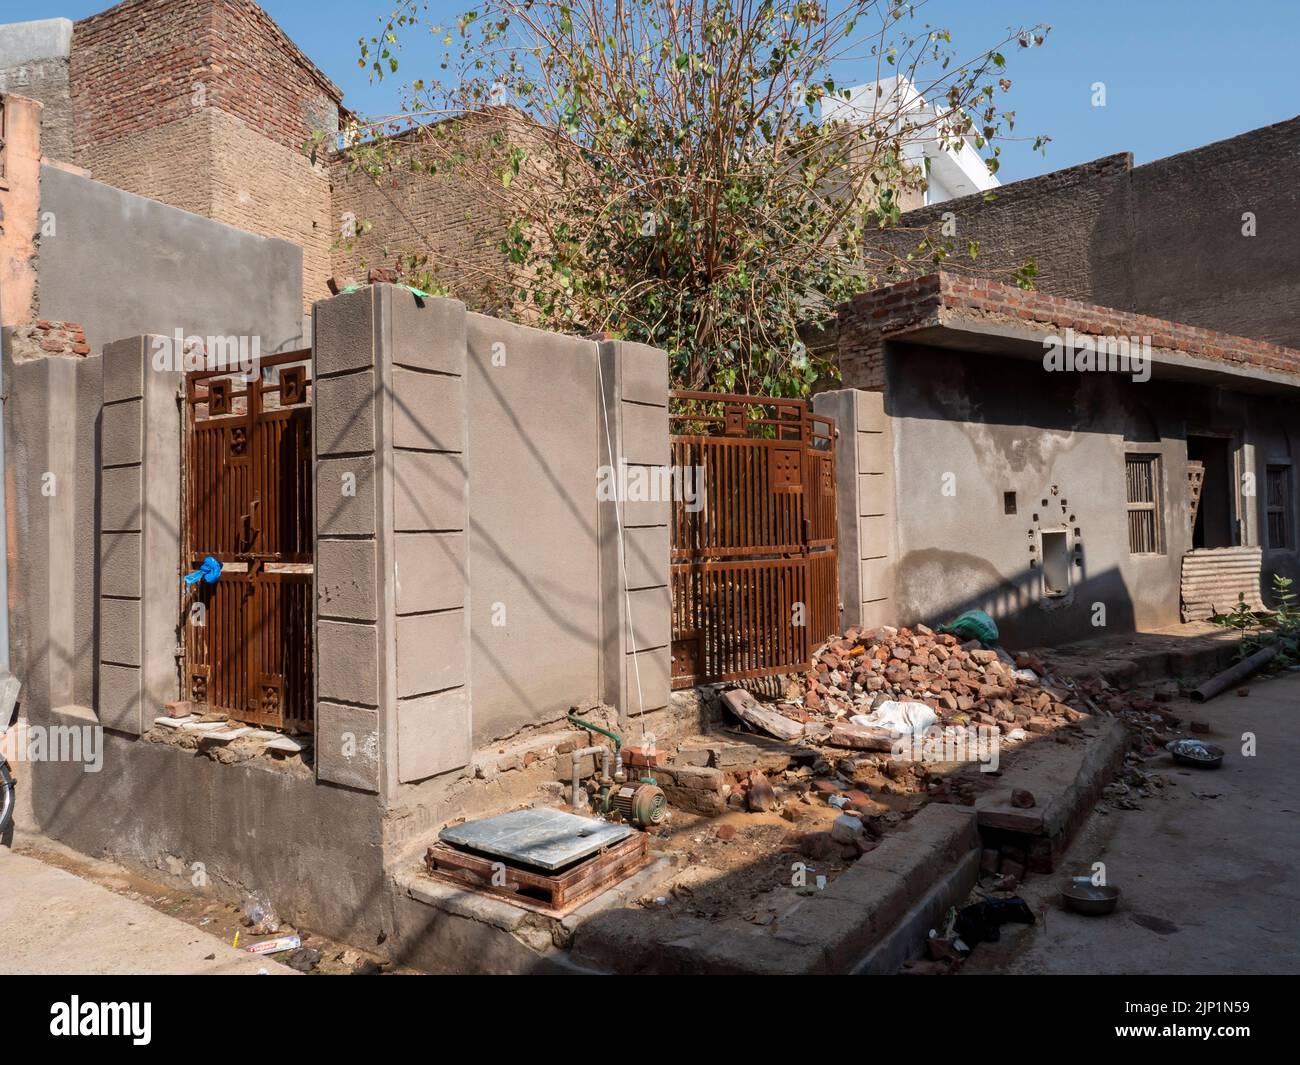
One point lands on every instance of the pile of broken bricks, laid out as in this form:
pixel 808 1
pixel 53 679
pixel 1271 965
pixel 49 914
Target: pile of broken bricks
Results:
pixel 964 684
pixel 220 738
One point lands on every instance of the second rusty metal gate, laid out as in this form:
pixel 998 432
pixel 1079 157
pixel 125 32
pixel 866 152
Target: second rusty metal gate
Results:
pixel 248 504
pixel 755 578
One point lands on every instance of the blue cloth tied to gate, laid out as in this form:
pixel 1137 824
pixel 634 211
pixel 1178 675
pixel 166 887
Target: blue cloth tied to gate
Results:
pixel 208 572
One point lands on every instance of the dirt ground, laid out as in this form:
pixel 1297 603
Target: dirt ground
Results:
pixel 744 864
pixel 221 920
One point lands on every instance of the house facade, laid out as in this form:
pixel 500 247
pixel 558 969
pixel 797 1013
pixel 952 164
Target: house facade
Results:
pixel 1068 468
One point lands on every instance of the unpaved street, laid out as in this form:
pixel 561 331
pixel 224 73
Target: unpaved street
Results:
pixel 1209 868
pixel 54 922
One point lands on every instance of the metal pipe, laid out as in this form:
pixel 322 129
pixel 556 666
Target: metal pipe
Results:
pixel 574 796
pixel 618 740
pixel 576 761
pixel 1239 672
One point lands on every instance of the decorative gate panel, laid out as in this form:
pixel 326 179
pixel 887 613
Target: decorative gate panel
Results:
pixel 248 504
pixel 755 579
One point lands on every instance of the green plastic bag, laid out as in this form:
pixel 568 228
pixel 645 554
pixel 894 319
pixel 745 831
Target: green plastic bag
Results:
pixel 973 625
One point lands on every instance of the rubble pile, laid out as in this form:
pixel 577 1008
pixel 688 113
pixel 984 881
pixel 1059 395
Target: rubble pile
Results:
pixel 963 683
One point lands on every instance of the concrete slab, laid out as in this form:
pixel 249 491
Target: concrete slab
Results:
pixel 225 735
pixel 288 744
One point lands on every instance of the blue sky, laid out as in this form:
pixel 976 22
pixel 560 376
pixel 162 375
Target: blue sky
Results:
pixel 1178 73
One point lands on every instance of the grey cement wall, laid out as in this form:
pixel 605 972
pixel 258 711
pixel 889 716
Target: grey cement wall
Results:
pixel 122 266
pixel 314 849
pixel 471 584
pixel 140 431
pixel 1165 238
pixel 51 414
pixel 393 671
pixel 636 599
pixel 117 264
pixel 968 428
pixel 92 468
pixel 534 446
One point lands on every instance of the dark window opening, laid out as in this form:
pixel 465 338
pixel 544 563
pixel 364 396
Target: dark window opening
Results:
pixel 1277 506
pixel 1008 502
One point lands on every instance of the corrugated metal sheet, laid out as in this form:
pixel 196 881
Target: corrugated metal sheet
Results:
pixel 1214 579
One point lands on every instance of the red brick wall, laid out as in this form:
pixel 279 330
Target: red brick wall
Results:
pixel 133 67
pixel 45 339
pixel 949 299
pixel 866 320
pixel 136 65
pixel 265 79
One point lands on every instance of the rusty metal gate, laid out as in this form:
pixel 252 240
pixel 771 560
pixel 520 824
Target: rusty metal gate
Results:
pixel 755 577
pixel 248 503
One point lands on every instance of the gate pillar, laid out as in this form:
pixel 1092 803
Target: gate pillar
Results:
pixel 865 499
pixel 636 601
pixel 139 541
pixel 392 636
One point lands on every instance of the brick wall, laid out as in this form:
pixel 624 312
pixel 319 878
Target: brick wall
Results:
pixel 46 339
pixel 1164 238
pixel 267 188
pixel 1082 205
pixel 266 79
pixel 444 216
pixel 867 320
pixel 169 163
pixel 205 105
pixel 951 299
pixel 134 68
pixel 145 63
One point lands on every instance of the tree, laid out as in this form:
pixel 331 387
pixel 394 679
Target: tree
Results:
pixel 661 170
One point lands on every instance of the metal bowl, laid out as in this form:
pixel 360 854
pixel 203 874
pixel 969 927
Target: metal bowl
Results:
pixel 1083 896
pixel 1196 752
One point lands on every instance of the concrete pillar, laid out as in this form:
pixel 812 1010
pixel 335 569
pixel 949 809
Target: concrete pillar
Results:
pixel 392 637
pixel 636 599
pixel 865 503
pixel 51 480
pixel 139 536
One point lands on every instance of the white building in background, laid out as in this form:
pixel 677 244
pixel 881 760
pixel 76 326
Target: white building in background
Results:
pixel 953 169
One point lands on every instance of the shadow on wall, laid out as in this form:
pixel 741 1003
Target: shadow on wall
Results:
pixel 1098 604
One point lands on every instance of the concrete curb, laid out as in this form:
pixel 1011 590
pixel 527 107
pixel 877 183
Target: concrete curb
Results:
pixel 1065 781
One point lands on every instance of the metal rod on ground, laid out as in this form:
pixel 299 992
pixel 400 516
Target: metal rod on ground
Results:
pixel 1239 672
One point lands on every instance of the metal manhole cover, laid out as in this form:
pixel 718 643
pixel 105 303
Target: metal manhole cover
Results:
pixel 545 838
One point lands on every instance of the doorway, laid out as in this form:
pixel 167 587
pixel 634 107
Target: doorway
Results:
pixel 1216 517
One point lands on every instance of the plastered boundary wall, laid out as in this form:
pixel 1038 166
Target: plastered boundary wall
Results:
pixel 469 583
pixel 405 564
